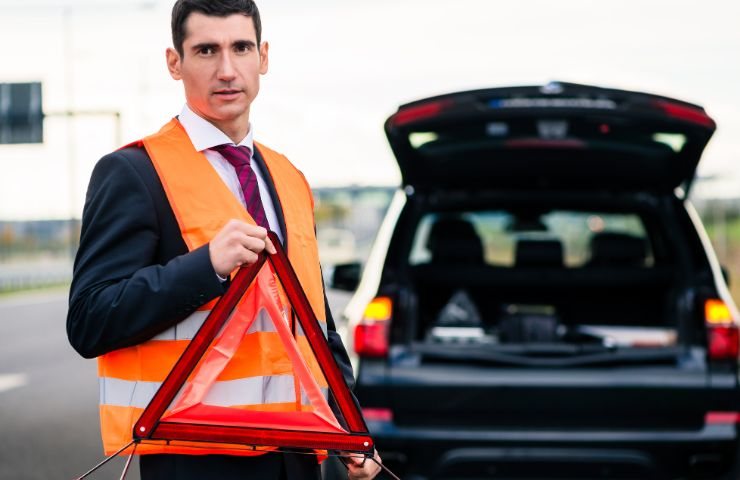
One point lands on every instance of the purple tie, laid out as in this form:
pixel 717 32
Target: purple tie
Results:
pixel 239 158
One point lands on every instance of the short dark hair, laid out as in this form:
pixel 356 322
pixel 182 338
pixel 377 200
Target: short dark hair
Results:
pixel 219 8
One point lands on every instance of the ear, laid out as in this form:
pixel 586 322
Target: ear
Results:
pixel 264 59
pixel 173 63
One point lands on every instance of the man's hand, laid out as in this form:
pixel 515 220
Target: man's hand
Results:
pixel 363 468
pixel 237 244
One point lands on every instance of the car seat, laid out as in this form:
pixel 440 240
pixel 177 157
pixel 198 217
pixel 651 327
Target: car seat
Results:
pixel 453 243
pixel 538 253
pixel 529 322
pixel 453 240
pixel 617 249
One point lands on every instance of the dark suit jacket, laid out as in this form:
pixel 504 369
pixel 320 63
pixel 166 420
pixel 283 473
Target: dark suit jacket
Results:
pixel 134 277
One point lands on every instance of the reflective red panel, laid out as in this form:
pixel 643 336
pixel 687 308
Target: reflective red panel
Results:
pixel 267 437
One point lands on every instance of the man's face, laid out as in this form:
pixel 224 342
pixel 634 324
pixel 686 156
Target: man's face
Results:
pixel 220 68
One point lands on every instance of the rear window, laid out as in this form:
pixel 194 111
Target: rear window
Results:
pixel 571 239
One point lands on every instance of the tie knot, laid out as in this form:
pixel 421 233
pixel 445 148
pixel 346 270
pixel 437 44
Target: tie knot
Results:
pixel 236 155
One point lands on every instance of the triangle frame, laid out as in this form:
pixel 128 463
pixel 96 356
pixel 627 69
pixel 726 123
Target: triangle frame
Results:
pixel 150 425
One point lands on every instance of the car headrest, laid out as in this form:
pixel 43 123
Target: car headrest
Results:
pixel 610 248
pixel 539 253
pixel 454 240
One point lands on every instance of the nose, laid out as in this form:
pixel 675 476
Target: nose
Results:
pixel 226 69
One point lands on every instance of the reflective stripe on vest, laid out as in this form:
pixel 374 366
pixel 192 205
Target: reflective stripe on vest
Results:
pixel 245 392
pixel 187 329
pixel 256 377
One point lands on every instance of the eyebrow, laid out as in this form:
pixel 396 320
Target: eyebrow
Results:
pixel 203 45
pixel 245 43
pixel 213 45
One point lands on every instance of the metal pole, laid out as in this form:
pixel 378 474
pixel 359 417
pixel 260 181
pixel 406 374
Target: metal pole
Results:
pixel 106 460
pixel 128 462
pixel 71 144
pixel 119 130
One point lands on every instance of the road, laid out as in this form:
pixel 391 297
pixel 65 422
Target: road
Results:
pixel 48 394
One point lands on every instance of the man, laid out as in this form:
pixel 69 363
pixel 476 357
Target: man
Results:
pixel 169 218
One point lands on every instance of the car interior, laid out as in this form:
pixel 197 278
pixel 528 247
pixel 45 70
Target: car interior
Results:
pixel 498 278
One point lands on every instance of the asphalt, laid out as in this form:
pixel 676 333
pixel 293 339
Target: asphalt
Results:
pixel 48 401
pixel 48 394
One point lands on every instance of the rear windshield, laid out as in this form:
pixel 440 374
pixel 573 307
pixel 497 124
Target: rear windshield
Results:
pixel 565 238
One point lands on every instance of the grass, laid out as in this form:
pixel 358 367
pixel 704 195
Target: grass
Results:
pixel 49 288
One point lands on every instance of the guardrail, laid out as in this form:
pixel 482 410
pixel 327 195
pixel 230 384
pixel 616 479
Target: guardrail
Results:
pixel 34 274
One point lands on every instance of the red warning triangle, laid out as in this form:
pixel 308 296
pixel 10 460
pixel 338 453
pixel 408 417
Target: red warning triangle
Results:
pixel 181 410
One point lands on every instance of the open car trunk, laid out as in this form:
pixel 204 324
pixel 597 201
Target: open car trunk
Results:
pixel 557 318
pixel 500 351
pixel 547 316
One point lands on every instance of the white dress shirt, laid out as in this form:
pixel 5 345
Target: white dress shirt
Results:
pixel 204 136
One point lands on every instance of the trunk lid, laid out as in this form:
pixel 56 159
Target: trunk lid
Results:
pixel 557 136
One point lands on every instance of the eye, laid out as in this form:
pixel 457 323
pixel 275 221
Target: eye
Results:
pixel 206 51
pixel 242 47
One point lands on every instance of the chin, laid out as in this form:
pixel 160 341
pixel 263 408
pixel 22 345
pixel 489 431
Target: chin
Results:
pixel 230 111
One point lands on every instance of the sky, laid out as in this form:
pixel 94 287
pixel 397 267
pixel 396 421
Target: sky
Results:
pixel 339 68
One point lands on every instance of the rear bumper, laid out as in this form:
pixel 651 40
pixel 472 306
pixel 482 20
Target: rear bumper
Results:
pixel 429 453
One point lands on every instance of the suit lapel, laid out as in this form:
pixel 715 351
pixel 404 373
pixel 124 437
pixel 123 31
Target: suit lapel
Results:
pixel 273 194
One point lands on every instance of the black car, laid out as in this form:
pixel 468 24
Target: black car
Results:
pixel 542 300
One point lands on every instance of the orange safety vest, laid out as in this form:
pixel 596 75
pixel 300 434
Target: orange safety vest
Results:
pixel 260 375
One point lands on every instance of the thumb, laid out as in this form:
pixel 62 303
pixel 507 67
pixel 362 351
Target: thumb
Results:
pixel 356 460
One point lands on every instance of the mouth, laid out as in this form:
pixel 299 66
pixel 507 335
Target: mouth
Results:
pixel 227 92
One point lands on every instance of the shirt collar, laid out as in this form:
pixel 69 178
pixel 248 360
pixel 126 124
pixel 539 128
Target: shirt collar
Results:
pixel 205 135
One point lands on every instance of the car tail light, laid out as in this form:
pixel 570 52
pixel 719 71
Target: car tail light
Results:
pixel 420 112
pixel 371 334
pixel 722 331
pixel 684 112
pixel 718 418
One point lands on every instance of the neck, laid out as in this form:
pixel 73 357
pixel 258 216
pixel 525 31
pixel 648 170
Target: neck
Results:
pixel 236 133
pixel 235 128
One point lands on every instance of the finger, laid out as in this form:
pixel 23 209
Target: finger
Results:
pixel 253 230
pixel 368 471
pixel 356 460
pixel 247 257
pixel 254 244
pixel 269 246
